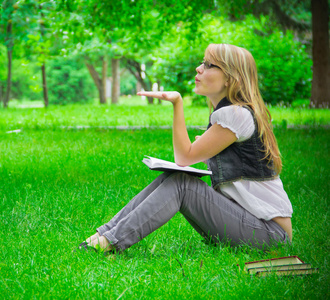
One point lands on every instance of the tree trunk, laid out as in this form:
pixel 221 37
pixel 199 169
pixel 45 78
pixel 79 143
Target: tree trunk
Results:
pixel 44 85
pixel 135 68
pixel 147 88
pixel 115 92
pixel 159 90
pixel 9 54
pixel 43 67
pixel 103 98
pixel 99 82
pixel 1 89
pixel 321 54
pixel 8 88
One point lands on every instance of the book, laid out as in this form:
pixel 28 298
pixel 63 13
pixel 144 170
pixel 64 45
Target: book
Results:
pixel 289 265
pixel 164 165
pixel 279 268
pixel 289 272
pixel 286 260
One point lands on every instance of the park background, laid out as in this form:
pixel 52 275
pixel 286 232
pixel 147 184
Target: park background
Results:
pixel 73 135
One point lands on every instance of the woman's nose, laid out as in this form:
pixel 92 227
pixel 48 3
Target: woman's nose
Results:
pixel 199 69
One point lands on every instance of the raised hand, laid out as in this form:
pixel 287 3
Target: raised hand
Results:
pixel 173 97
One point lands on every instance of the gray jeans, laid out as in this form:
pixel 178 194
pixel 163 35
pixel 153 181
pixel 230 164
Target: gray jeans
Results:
pixel 213 215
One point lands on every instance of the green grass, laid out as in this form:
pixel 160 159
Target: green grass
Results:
pixel 134 111
pixel 58 185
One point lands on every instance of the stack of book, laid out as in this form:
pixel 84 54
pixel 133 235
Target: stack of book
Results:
pixel 289 265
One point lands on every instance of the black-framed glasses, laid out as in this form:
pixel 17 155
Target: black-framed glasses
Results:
pixel 207 65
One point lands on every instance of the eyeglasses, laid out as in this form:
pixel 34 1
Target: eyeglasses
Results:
pixel 207 65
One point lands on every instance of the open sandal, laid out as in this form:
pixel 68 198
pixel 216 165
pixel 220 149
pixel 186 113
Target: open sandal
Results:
pixel 86 247
pixel 98 249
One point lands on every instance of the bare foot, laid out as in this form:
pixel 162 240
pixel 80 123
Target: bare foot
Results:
pixel 93 238
pixel 101 243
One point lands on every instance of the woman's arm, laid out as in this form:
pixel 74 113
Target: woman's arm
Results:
pixel 207 145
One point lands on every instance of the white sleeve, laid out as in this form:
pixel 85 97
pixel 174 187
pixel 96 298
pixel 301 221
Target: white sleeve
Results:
pixel 237 119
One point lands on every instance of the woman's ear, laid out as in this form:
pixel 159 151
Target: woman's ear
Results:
pixel 228 82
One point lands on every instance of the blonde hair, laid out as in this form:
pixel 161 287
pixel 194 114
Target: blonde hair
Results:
pixel 240 70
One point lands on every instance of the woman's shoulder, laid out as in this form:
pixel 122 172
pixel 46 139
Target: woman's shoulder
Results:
pixel 238 109
pixel 237 118
pixel 238 112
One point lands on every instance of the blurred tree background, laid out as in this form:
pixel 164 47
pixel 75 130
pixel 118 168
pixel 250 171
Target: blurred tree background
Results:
pixel 75 51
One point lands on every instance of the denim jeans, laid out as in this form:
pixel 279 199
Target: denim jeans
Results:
pixel 213 216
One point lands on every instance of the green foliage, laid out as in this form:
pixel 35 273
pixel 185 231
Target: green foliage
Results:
pixel 285 69
pixel 68 81
pixel 21 15
pixel 129 29
pixel 127 83
pixel 283 65
pixel 26 80
pixel 168 36
pixel 32 41
pixel 131 14
pixel 3 59
pixel 175 63
pixel 40 46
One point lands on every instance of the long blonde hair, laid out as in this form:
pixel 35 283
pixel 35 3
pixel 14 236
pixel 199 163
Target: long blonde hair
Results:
pixel 240 70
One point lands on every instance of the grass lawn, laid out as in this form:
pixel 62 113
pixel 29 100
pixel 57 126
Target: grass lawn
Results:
pixel 134 111
pixel 58 184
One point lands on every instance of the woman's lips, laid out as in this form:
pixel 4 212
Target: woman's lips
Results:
pixel 196 80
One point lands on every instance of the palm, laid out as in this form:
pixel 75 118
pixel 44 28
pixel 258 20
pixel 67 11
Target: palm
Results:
pixel 168 96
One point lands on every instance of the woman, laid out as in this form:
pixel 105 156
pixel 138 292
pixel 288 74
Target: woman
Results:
pixel 246 203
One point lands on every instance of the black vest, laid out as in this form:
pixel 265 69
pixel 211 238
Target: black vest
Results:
pixel 241 160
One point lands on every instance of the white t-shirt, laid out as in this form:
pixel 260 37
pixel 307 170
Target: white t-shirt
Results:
pixel 264 199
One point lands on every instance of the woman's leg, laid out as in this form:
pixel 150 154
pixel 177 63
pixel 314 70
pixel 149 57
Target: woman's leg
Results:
pixel 212 214
pixel 217 218
pixel 134 203
pixel 95 238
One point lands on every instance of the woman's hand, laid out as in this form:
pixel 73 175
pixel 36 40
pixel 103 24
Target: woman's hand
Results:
pixel 173 97
pixel 213 141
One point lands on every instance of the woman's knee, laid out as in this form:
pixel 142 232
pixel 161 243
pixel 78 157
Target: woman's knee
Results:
pixel 182 176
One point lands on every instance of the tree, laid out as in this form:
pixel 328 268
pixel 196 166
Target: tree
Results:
pixel 69 81
pixel 100 81
pixel 134 28
pixel 7 35
pixel 41 40
pixel 43 66
pixel 321 53
pixel 277 54
pixel 141 75
pixel 296 15
pixel 115 93
pixel 2 71
pixel 22 26
pixel 90 43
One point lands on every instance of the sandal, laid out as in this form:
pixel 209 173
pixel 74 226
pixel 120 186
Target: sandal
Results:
pixel 98 249
pixel 86 247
